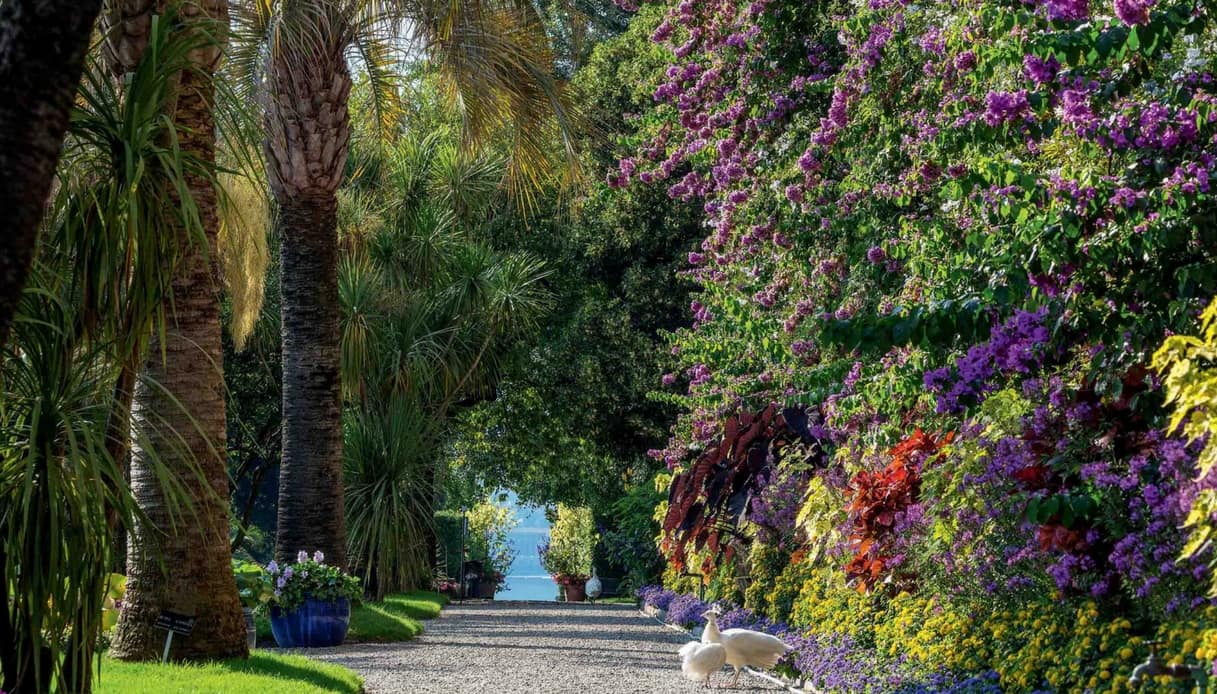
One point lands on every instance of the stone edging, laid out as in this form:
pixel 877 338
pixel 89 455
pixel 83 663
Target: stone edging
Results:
pixel 650 611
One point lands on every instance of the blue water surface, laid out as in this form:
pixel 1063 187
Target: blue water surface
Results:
pixel 526 580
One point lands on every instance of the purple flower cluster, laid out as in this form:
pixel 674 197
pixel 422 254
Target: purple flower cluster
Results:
pixel 686 610
pixel 1040 70
pixel 775 505
pixel 1013 347
pixel 1068 10
pixel 1133 12
pixel 1006 107
pixel 655 596
pixel 1127 537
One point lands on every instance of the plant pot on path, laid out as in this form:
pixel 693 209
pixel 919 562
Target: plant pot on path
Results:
pixel 575 591
pixel 314 624
pixel 310 604
pixel 251 629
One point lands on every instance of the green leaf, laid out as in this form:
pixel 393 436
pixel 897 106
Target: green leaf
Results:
pixel 1134 39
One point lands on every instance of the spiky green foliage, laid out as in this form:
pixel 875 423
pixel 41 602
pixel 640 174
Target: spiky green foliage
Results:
pixel 94 301
pixel 428 314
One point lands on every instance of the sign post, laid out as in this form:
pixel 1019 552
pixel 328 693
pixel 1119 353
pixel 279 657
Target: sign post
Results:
pixel 173 623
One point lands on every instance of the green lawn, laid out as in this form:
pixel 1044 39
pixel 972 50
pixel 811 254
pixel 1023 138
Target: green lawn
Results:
pixel 263 673
pixel 418 604
pixel 395 619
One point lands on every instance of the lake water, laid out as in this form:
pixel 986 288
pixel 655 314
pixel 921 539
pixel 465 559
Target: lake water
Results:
pixel 526 580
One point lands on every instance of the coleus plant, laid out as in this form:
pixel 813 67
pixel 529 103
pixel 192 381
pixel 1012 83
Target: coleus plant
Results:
pixel 878 500
pixel 707 501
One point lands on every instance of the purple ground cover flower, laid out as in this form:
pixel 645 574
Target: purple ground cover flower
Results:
pixel 686 611
pixel 656 596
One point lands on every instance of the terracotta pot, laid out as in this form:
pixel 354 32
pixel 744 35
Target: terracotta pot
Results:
pixel 575 591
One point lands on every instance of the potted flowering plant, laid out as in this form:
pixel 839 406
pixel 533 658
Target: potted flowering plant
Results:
pixel 491 582
pixel 567 556
pixel 448 587
pixel 489 543
pixel 310 603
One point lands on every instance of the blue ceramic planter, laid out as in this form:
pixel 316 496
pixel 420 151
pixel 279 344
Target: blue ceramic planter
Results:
pixel 315 624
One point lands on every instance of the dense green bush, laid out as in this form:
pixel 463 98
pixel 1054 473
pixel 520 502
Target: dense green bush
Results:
pixel 450 537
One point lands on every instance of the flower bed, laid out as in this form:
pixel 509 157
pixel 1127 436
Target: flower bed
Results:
pixel 832 662
pixel 921 425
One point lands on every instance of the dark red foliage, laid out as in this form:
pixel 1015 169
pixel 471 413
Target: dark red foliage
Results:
pixel 1034 477
pixel 706 501
pixel 1093 426
pixel 878 497
pixel 1054 536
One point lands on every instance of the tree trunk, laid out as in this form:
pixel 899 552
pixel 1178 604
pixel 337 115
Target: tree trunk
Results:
pixel 310 476
pixel 42 51
pixel 118 443
pixel 308 131
pixel 179 560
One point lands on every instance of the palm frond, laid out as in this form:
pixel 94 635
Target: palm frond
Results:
pixel 497 69
pixel 375 55
pixel 244 253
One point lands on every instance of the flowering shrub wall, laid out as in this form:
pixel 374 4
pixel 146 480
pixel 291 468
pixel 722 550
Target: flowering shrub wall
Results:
pixel 944 239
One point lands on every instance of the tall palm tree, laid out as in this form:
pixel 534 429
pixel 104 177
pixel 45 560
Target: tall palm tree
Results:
pixel 182 560
pixel 295 54
pixel 42 52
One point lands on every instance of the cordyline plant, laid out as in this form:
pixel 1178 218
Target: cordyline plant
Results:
pixel 707 501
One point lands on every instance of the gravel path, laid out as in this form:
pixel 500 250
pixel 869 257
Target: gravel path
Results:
pixel 529 648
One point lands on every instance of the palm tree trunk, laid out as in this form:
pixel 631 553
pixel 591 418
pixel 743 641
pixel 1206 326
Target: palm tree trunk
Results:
pixel 308 132
pixel 118 444
pixel 179 559
pixel 311 514
pixel 42 51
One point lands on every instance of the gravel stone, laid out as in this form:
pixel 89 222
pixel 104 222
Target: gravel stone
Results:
pixel 529 648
